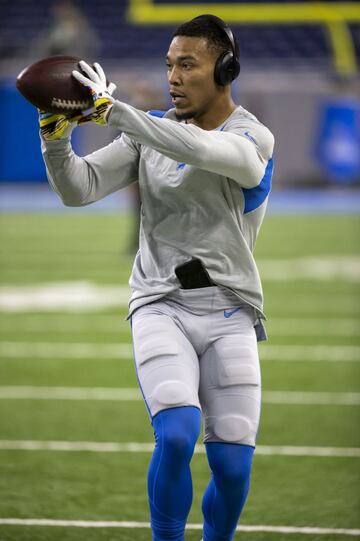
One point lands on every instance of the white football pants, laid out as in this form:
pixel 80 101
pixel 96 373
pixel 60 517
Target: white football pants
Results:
pixel 198 347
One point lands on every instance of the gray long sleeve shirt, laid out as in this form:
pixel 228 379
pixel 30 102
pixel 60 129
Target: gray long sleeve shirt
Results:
pixel 204 194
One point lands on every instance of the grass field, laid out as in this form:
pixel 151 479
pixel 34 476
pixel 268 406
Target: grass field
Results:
pixel 67 376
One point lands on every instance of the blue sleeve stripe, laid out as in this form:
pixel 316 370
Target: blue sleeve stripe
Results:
pixel 156 112
pixel 254 197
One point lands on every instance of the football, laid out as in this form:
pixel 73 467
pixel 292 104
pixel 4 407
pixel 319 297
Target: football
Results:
pixel 49 85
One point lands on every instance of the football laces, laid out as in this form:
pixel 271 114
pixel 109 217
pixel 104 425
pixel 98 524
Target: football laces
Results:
pixel 69 104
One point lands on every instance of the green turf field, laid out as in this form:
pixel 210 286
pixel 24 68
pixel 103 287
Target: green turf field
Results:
pixel 310 368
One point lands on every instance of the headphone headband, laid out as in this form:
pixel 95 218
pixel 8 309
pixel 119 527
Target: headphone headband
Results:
pixel 227 66
pixel 222 26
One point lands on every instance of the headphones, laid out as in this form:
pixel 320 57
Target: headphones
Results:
pixel 227 66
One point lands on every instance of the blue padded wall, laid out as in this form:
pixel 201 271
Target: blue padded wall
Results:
pixel 20 156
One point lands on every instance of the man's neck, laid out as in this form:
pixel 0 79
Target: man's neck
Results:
pixel 214 118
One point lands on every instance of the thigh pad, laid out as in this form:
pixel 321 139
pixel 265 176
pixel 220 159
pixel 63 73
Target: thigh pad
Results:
pixel 167 365
pixel 230 390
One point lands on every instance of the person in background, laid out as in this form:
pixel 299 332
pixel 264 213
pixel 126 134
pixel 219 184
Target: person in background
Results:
pixel 70 33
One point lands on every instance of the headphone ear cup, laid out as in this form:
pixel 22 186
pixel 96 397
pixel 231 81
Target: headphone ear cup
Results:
pixel 227 68
pixel 235 68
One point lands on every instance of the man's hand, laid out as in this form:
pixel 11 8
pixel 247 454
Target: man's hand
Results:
pixel 101 92
pixel 54 127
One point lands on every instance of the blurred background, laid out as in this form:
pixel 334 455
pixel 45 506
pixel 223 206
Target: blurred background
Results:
pixel 300 75
pixel 75 438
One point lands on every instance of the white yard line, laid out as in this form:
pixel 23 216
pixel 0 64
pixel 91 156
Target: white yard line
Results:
pixel 311 398
pixel 309 353
pixel 321 268
pixel 65 350
pixel 289 326
pixel 85 296
pixel 71 296
pixel 114 324
pixel 70 393
pixel 136 447
pixel 19 392
pixel 102 351
pixel 67 323
pixel 146 525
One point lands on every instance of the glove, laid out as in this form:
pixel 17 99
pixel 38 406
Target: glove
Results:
pixel 56 126
pixel 101 92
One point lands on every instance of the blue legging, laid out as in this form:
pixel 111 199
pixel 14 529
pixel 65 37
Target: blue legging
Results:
pixel 227 490
pixel 170 485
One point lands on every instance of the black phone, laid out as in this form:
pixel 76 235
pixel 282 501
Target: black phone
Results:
pixel 193 275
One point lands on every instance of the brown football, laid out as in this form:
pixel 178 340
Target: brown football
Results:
pixel 49 85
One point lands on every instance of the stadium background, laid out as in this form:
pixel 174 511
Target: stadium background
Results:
pixel 74 434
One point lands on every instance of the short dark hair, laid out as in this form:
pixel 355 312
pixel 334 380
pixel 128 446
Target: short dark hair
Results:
pixel 205 27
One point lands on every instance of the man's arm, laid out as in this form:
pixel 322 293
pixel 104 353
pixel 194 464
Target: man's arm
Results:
pixel 80 181
pixel 228 153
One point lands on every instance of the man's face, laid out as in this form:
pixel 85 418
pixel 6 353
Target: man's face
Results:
pixel 190 64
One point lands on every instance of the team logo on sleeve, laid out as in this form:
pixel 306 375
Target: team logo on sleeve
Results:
pixel 247 134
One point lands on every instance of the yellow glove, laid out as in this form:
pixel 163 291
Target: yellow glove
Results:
pixel 101 92
pixel 56 126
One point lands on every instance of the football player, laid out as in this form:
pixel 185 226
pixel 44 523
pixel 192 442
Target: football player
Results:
pixel 204 169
